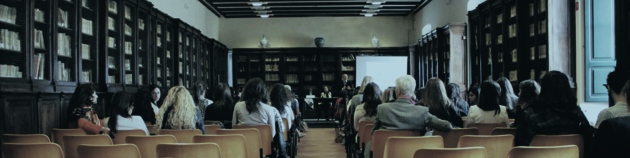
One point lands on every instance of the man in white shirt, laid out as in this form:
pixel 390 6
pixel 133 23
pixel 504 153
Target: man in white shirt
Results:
pixel 615 83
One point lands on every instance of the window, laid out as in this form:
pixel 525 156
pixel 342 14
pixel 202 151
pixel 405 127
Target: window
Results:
pixel 599 54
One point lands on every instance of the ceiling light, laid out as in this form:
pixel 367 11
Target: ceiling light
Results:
pixel 376 3
pixel 368 15
pixel 257 4
pixel 265 15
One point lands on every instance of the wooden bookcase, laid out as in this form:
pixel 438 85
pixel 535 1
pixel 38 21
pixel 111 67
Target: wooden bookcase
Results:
pixel 440 52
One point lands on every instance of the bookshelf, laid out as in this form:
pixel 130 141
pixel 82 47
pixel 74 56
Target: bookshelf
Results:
pixel 143 43
pixel 88 39
pixel 130 45
pixel 440 52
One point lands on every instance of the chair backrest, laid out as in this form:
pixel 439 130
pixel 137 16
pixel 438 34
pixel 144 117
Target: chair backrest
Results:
pixel 182 135
pixel 361 125
pixel 71 142
pixel 497 146
pixel 147 123
pixel 486 128
pixel 232 145
pixel 470 152
pixel 451 138
pixel 406 146
pixel 380 137
pixel 25 138
pixel 285 134
pixel 464 119
pixel 265 136
pixel 362 131
pixel 30 150
pixel 367 135
pixel 119 138
pixel 512 120
pixel 212 129
pixel 252 137
pixel 504 131
pixel 57 135
pixel 567 151
pixel 210 122
pixel 189 150
pixel 108 151
pixel 147 144
pixel 559 140
pixel 153 129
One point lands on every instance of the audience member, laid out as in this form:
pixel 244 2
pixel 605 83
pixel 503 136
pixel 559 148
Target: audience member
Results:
pixel 295 106
pixel 198 95
pixel 554 112
pixel 253 109
pixel 488 110
pixel 324 107
pixel 356 100
pixel 80 113
pixel 366 111
pixel 121 118
pixel 155 94
pixel 529 90
pixel 222 107
pixel 611 139
pixel 388 95
pixel 179 111
pixel 473 95
pixel 439 104
pixel 419 96
pixel 615 82
pixel 404 115
pixel 455 94
pixel 143 106
pixel 507 97
pixel 279 100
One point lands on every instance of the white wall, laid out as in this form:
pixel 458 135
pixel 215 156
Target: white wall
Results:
pixel 439 13
pixel 192 12
pixel 300 32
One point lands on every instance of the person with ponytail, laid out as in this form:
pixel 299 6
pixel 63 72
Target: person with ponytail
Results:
pixel 121 118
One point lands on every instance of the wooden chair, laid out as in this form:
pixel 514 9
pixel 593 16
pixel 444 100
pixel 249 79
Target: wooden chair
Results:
pixel 366 136
pixel 464 119
pixel 265 136
pixel 57 135
pixel 486 128
pixel 153 129
pixel 108 151
pixel 377 150
pixel 182 135
pixel 71 142
pixel 31 150
pixel 504 131
pixel 212 129
pixel 567 151
pixel 119 138
pixel 147 123
pixel 285 134
pixel 210 122
pixel 559 140
pixel 252 137
pixel 147 144
pixel 451 138
pixel 511 121
pixel 25 138
pixel 406 146
pixel 361 132
pixel 497 146
pixel 189 150
pixel 232 145
pixel 470 152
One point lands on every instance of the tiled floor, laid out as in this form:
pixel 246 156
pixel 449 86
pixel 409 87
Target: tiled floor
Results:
pixel 319 143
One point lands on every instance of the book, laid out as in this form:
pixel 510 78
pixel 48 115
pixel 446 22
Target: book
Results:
pixel 10 40
pixel 168 72
pixel 42 64
pixel 159 72
pixel 128 78
pixel 127 30
pixel 159 42
pixel 112 7
pixel 87 76
pixel 168 54
pixel 86 26
pixel 84 4
pixel 111 42
pixel 542 52
pixel 111 79
pixel 127 13
pixel 159 29
pixel 8 14
pixel 168 36
pixel 111 62
pixel 141 24
pixel 35 66
pixel 62 19
pixel 514 56
pixel 140 44
pixel 140 62
pixel 140 80
pixel 63 45
pixel 181 66
pixel 85 51
pixel 127 65
pixel 39 16
pixel 158 61
pixel 38 39
pixel 128 48
pixel 111 24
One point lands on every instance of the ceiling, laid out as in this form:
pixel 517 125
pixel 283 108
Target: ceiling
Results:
pixel 312 8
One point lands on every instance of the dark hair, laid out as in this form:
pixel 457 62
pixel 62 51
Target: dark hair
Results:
pixel 82 96
pixel 529 92
pixel 507 93
pixel 489 96
pixel 197 90
pixel 222 96
pixel 151 88
pixel 120 106
pixel 371 99
pixel 626 90
pixel 255 92
pixel 453 92
pixel 143 107
pixel 475 90
pixel 616 79
pixel 556 92
pixel 419 93
pixel 278 97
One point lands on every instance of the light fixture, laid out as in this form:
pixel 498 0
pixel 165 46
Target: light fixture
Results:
pixel 371 10
pixel 376 3
pixel 368 15
pixel 257 4
pixel 264 15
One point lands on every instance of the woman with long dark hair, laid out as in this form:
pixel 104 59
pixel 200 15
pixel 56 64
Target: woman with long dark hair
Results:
pixel 507 97
pixel 366 111
pixel 439 104
pixel 279 100
pixel 454 93
pixel 198 95
pixel 488 110
pixel 222 108
pixel 253 109
pixel 80 112
pixel 179 111
pixel 121 118
pixel 143 106
pixel 554 112
pixel 529 91
pixel 473 95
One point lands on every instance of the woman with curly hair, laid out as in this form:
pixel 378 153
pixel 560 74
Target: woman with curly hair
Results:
pixel 179 111
pixel 279 100
pixel 253 109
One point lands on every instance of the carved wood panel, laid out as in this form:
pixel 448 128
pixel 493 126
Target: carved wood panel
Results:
pixel 20 115
pixel 49 115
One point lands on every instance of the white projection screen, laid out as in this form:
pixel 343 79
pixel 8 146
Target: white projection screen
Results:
pixel 383 69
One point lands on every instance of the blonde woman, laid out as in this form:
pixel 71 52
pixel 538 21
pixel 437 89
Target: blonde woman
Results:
pixel 357 99
pixel 179 111
pixel 439 104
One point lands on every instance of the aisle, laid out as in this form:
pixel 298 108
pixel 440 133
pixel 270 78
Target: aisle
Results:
pixel 320 142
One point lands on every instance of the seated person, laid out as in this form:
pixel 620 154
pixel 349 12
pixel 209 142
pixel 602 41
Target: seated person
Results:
pixel 455 94
pixel 488 110
pixel 615 81
pixel 439 104
pixel 611 139
pixel 253 109
pixel 180 112
pixel 80 113
pixel 122 107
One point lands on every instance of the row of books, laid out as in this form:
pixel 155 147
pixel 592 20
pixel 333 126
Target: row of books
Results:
pixel 62 19
pixel 347 68
pixel 63 72
pixel 140 24
pixel 272 77
pixel 328 77
pixel 127 65
pixel 111 24
pixel 111 42
pixel 128 78
pixel 292 79
pixel 127 30
pixel 7 14
pixel 128 48
pixel 86 26
pixel 85 51
pixel 10 40
pixel 39 16
pixel 348 58
pixel 63 45
pixel 269 67
pixel 39 63
pixel 127 13
pixel 11 71
pixel 87 76
pixel 111 62
pixel 112 7
pixel 38 39
pixel 84 4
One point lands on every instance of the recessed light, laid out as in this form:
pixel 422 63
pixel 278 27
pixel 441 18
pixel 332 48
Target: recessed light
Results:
pixel 369 15
pixel 257 4
pixel 376 3
pixel 264 15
